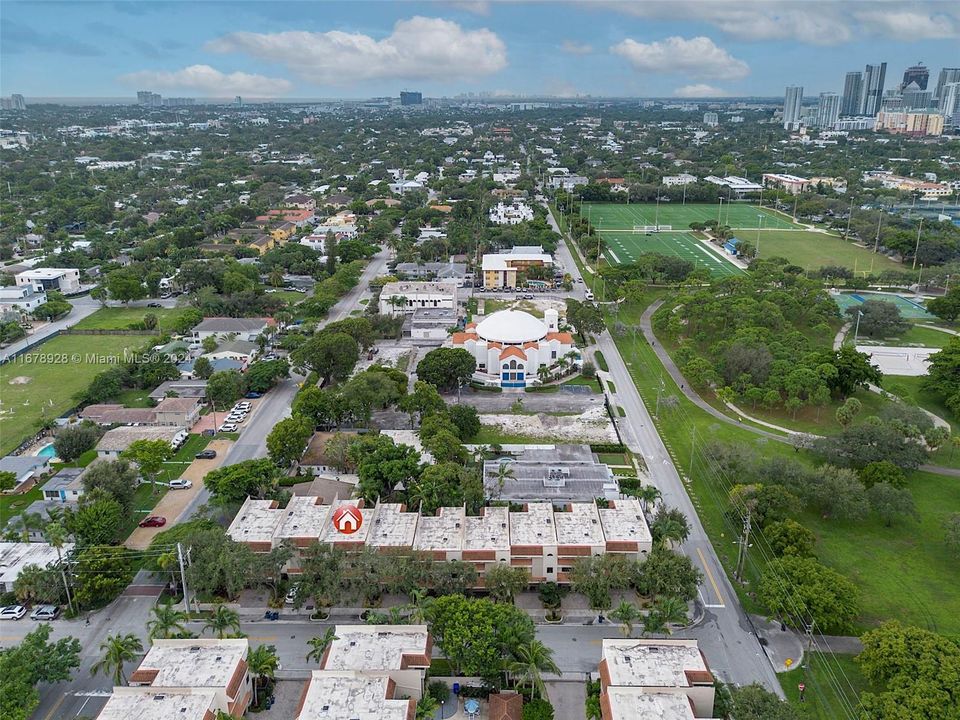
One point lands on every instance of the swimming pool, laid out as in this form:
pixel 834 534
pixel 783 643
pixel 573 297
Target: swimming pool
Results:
pixel 47 451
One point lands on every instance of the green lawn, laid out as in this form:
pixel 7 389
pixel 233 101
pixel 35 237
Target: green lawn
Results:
pixel 917 335
pixel 584 382
pixel 144 500
pixel 134 398
pixel 912 391
pixel 903 571
pixel 822 677
pixel 679 216
pixel 819 421
pixel 174 467
pixel 626 246
pixel 813 250
pixel 56 371
pixel 11 505
pixel 121 318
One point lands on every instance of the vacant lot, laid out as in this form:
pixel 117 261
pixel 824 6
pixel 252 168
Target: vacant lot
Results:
pixel 121 318
pixel 813 250
pixel 42 384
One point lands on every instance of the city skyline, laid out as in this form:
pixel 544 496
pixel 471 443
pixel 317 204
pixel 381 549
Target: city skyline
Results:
pixel 289 50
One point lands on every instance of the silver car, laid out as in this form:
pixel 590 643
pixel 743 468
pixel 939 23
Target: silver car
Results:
pixel 45 612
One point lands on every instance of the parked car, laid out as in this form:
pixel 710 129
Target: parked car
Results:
pixel 12 612
pixel 153 521
pixel 207 433
pixel 291 597
pixel 45 612
pixel 528 296
pixel 180 484
pixel 227 427
pixel 252 395
pixel 588 295
pixel 154 305
pixel 206 455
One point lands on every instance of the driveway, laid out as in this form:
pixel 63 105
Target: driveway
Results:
pixel 172 505
pixel 568 697
pixel 206 422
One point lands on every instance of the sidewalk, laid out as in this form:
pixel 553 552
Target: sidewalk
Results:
pixel 783 647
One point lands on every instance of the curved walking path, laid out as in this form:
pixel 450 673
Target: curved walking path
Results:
pixel 647 328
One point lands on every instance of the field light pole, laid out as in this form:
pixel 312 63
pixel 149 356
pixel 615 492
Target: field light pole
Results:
pixel 856 330
pixel 720 211
pixel 759 225
pixel 917 248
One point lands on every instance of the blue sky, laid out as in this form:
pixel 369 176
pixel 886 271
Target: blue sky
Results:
pixel 678 48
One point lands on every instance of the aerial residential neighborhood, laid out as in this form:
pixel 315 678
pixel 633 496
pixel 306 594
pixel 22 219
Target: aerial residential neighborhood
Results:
pixel 480 361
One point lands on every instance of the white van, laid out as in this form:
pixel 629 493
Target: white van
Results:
pixel 588 295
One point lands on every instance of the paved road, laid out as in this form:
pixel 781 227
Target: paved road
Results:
pixel 728 640
pixel 82 307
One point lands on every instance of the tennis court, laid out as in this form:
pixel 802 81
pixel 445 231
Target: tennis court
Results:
pixel 625 246
pixel 908 308
pixel 738 216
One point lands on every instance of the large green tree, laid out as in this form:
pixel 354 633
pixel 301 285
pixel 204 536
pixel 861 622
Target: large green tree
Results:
pixel 801 590
pixel 234 483
pixel 332 355
pixel 445 368
pixel 34 660
pixel 943 375
pixel 288 439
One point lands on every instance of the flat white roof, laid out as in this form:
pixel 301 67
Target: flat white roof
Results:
pixel 375 647
pixel 340 695
pixel 304 516
pixel 432 287
pixel 534 526
pixel 579 526
pixel 625 522
pixel 47 273
pixel 636 704
pixel 652 663
pixel 193 663
pixel 16 556
pixel 444 531
pixel 489 531
pixel 329 534
pixel 392 527
pixel 257 521
pixel 146 704
pixel 502 261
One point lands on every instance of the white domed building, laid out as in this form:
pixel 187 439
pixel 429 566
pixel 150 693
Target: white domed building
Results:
pixel 510 346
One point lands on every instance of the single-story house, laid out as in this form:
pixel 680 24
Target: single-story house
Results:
pixel 119 439
pixel 182 411
pixel 243 328
pixel 25 467
pixel 315 459
pixel 14 557
pixel 240 350
pixel 114 414
pixel 180 388
pixel 218 365
pixel 66 486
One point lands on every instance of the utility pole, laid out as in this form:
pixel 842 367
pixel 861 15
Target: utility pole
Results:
pixel 849 219
pixel 744 540
pixel 66 586
pixel 917 248
pixel 693 450
pixel 183 579
pixel 876 244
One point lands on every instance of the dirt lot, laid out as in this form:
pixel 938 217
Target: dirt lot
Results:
pixel 174 502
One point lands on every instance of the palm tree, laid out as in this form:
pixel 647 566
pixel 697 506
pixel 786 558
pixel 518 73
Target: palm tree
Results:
pixel 504 472
pixel 626 614
pixel 531 659
pixel 117 650
pixel 168 562
pixel 653 624
pixel 263 663
pixel 167 622
pixel 56 536
pixel 649 494
pixel 543 373
pixel 427 707
pixel 418 605
pixel 319 645
pixel 222 620
pixel 672 609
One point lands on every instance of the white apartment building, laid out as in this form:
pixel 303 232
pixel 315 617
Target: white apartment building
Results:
pixel 541 538
pixel 399 298
pixel 189 679
pixel 369 671
pixel 14 557
pixel 681 179
pixel 21 298
pixel 510 214
pixel 666 679
pixel 66 280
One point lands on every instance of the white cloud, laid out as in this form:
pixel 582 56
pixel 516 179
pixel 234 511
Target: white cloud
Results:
pixel 815 22
pixel 910 24
pixel 697 57
pixel 572 47
pixel 418 49
pixel 700 90
pixel 477 7
pixel 205 80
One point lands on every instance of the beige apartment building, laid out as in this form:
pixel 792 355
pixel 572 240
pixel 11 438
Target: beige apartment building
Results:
pixel 665 679
pixel 189 679
pixel 545 540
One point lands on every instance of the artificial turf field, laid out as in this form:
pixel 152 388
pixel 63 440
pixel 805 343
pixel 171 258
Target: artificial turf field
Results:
pixel 616 216
pixel 624 247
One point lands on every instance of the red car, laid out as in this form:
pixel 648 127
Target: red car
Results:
pixel 153 521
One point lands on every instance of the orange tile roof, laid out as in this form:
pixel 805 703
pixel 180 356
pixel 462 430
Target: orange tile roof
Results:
pixel 459 338
pixel 471 325
pixel 531 344
pixel 564 337
pixel 495 345
pixel 513 351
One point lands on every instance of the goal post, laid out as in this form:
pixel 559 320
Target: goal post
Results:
pixel 652 228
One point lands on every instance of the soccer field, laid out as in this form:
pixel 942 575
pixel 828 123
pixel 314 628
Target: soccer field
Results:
pixel 625 246
pixel 814 250
pixel 615 216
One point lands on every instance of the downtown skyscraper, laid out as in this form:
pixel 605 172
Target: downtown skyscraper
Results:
pixel 852 94
pixel 872 95
pixel 828 110
pixel 947 75
pixel 791 107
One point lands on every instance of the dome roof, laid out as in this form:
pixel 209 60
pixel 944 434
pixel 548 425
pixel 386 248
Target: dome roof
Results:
pixel 512 326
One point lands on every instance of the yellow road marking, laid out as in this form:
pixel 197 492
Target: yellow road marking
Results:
pixel 56 707
pixel 713 582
